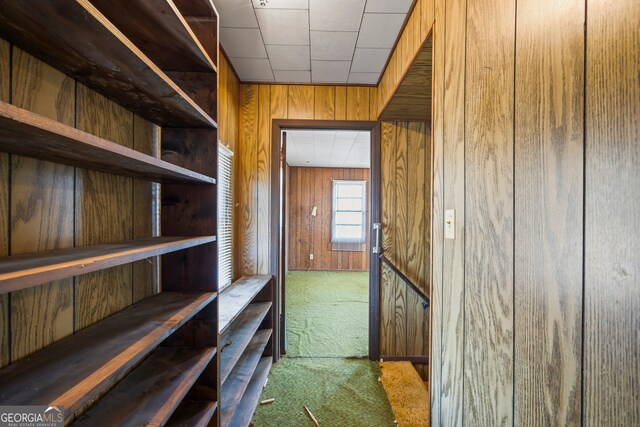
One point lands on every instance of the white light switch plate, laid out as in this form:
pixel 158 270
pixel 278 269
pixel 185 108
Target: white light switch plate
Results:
pixel 450 224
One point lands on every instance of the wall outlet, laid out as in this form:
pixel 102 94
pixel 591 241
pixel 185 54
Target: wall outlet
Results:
pixel 310 256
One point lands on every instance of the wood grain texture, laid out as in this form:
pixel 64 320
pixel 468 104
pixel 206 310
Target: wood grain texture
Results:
pixel 387 315
pixel 300 102
pixel 146 211
pixel 103 353
pixel 400 314
pixel 417 267
pixel 357 103
pixel 400 230
pixel 5 73
pixel 313 234
pixel 279 101
pixel 612 252
pixel 341 103
pixel 152 391
pixel 549 102
pixel 246 195
pixel 104 205
pixel 139 84
pixel 453 296
pixel 41 209
pixel 237 296
pixel 264 178
pixel 324 101
pixel 489 196
pixel 246 407
pixel 437 218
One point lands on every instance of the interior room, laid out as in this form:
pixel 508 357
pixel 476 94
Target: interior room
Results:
pixel 320 213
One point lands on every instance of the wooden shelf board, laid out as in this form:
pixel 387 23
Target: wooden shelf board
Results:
pixel 78 369
pixel 193 413
pixel 237 296
pixel 158 28
pixel 24 271
pixel 240 333
pixel 74 37
pixel 247 406
pixel 152 391
pixel 234 388
pixel 29 134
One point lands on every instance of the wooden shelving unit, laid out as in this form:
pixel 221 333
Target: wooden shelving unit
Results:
pixel 246 324
pixel 24 271
pixel 155 362
pixel 76 370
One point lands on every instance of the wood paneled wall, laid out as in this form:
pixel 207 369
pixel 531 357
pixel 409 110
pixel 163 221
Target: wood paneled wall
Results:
pixel 536 145
pixel 405 215
pixel 260 104
pixel 45 206
pixel 309 187
pixel 229 129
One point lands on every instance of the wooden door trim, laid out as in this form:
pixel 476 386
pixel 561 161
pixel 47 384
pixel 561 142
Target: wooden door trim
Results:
pixel 278 125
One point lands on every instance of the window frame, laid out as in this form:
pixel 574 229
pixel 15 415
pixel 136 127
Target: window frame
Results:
pixel 225 272
pixel 334 210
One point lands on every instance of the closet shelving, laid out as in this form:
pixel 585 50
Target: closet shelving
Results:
pixel 155 362
pixel 246 346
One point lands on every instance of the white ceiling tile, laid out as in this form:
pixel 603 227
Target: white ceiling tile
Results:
pixel 293 58
pixel 293 76
pixel 330 71
pixel 302 134
pixel 281 4
pixel 387 6
pixel 336 15
pixel 369 60
pixel 236 13
pixel 253 69
pixel 349 135
pixel 242 43
pixel 334 45
pixel 380 30
pixel 284 26
pixel 363 78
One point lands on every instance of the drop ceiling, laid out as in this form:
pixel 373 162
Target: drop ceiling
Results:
pixel 310 41
pixel 329 149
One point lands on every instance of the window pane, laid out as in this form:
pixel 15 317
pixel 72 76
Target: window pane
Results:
pixel 349 204
pixel 350 218
pixel 348 232
pixel 349 190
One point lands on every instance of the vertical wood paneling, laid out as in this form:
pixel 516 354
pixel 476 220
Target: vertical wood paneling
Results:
pixel 388 180
pixel 549 228
pixel 146 273
pixel 400 330
pixel 357 103
pixel 341 103
pixel 300 102
pixel 437 215
pixel 41 209
pixel 387 316
pixel 325 100
pixel 453 266
pixel 612 235
pixel 489 202
pixel 373 103
pixel 246 196
pixel 264 178
pixel 5 72
pixel 279 95
pixel 417 209
pixel 103 210
pixel 313 187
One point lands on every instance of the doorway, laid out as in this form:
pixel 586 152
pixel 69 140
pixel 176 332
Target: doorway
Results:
pixel 335 229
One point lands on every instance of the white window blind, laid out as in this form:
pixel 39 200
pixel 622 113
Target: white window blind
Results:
pixel 225 216
pixel 349 210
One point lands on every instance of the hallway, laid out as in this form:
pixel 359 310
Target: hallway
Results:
pixel 326 367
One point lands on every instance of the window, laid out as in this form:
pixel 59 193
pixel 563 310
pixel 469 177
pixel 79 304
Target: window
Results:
pixel 349 209
pixel 225 216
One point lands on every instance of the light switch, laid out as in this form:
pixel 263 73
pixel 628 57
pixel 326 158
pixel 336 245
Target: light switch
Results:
pixel 450 224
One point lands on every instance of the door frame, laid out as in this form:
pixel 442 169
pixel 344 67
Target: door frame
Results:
pixel 277 252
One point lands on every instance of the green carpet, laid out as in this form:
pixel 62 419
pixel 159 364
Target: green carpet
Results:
pixel 327 313
pixel 327 316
